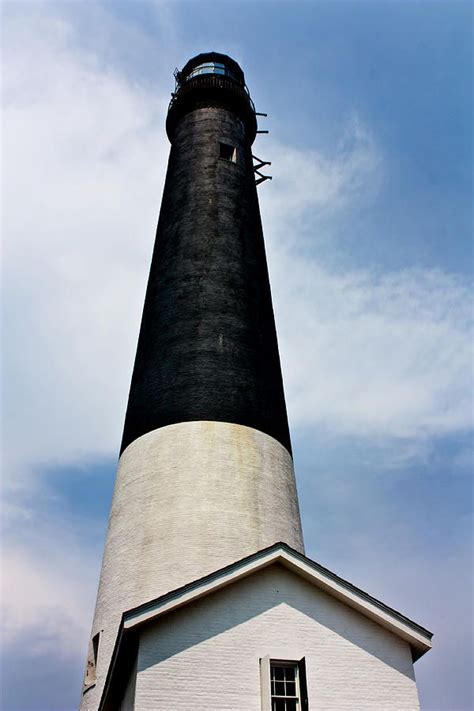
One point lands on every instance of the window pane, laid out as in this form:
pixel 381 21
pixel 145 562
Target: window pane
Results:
pixel 290 688
pixel 278 705
pixel 291 705
pixel 280 688
pixel 211 68
pixel 278 672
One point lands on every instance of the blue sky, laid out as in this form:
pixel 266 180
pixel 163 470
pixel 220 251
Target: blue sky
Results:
pixel 368 225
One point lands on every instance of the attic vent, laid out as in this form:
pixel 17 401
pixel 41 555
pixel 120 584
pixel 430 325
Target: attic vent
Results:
pixel 228 152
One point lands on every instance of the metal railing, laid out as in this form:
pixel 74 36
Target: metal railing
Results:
pixel 209 80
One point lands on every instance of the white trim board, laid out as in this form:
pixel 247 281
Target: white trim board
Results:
pixel 418 637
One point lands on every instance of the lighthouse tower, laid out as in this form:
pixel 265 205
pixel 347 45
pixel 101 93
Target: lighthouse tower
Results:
pixel 206 600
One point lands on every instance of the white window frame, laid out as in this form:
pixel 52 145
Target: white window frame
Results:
pixel 265 681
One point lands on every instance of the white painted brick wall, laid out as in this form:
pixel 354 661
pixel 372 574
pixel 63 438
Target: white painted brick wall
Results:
pixel 206 657
pixel 189 499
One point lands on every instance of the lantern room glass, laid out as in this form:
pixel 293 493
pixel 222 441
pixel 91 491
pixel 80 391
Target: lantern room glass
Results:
pixel 211 68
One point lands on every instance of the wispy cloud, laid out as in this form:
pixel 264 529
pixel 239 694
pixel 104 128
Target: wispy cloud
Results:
pixel 84 166
pixel 311 186
pixel 366 352
pixel 47 592
pixel 375 354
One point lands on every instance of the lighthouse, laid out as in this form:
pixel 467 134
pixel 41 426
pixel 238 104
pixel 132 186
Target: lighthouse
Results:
pixel 206 599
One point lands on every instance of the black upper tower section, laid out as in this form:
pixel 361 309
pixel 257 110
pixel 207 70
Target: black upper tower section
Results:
pixel 207 348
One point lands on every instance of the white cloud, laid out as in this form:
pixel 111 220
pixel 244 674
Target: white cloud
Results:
pixel 309 185
pixel 366 354
pixel 84 165
pixel 47 593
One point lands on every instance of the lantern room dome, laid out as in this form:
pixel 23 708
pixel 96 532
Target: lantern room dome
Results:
pixel 211 79
pixel 211 63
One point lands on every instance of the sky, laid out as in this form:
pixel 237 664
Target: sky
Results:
pixel 368 227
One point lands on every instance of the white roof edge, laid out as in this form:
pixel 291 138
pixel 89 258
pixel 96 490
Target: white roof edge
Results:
pixel 363 603
pixel 411 632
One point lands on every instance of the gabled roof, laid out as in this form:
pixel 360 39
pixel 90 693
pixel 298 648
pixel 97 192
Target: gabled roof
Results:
pixel 417 637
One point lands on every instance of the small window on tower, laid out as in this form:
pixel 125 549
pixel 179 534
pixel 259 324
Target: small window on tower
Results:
pixel 91 668
pixel 228 152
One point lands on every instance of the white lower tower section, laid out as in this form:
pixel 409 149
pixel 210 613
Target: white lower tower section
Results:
pixel 189 499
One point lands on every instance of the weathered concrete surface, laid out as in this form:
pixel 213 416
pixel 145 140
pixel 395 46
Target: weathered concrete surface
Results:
pixel 206 656
pixel 189 498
